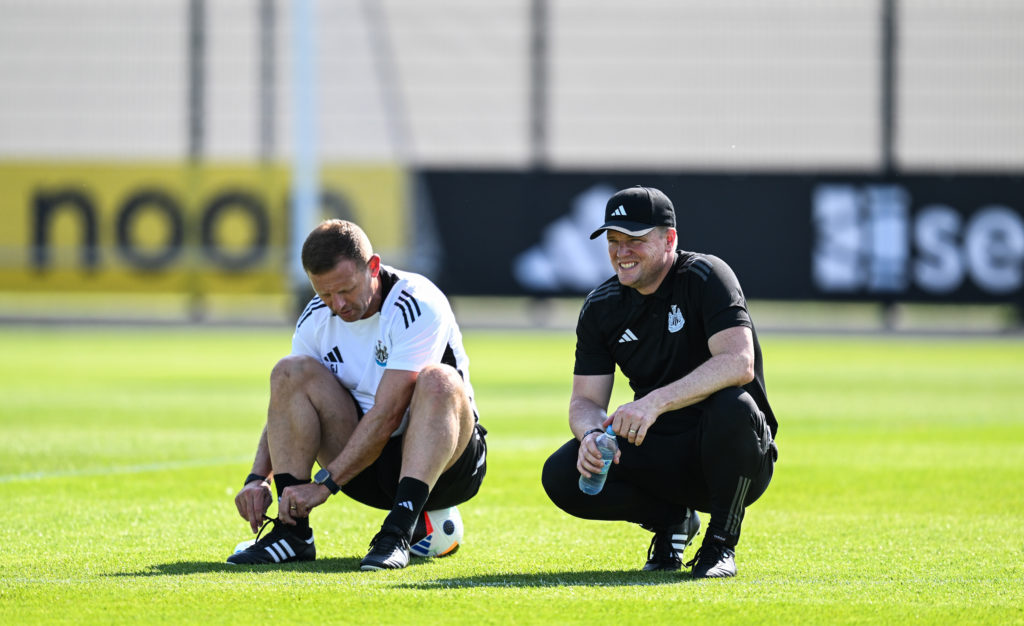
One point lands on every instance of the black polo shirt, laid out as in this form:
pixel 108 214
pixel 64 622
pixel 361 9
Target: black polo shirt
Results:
pixel 659 338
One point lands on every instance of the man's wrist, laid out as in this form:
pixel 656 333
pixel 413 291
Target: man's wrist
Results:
pixel 253 477
pixel 323 477
pixel 592 430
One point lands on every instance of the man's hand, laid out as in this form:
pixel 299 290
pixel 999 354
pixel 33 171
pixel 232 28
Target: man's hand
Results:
pixel 589 460
pixel 253 501
pixel 632 421
pixel 299 500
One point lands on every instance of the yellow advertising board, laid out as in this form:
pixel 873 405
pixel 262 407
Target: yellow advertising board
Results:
pixel 173 227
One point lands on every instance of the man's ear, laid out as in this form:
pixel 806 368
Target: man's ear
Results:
pixel 374 265
pixel 672 238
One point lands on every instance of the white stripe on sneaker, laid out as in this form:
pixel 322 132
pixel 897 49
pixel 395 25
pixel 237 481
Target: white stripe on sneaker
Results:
pixel 273 554
pixel 288 548
pixel 277 548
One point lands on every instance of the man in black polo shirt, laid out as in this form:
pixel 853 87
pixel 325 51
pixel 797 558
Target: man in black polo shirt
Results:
pixel 699 433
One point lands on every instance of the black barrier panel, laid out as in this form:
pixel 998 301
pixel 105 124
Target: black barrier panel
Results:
pixel 915 238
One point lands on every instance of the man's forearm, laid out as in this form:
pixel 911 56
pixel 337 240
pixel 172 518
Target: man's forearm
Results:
pixel 261 465
pixel 364 446
pixel 584 415
pixel 715 374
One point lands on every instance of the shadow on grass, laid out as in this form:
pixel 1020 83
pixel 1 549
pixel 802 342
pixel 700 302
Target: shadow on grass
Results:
pixel 595 578
pixel 348 565
pixel 189 568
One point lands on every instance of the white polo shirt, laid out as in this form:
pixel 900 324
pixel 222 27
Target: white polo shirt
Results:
pixel 415 327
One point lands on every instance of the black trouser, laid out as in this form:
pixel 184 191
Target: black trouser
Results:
pixel 719 463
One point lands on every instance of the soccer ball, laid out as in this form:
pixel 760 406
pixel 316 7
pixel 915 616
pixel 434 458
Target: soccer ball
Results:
pixel 438 533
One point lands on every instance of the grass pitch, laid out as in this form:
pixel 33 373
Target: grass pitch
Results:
pixel 896 497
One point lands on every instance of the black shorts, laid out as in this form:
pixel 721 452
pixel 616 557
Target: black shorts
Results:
pixel 376 485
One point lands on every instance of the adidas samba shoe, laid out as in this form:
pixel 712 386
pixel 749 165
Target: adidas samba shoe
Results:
pixel 280 545
pixel 714 559
pixel 388 550
pixel 667 546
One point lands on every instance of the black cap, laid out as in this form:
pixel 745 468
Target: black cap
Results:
pixel 636 211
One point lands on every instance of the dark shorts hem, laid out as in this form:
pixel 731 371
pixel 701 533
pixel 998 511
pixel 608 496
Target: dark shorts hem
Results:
pixel 376 485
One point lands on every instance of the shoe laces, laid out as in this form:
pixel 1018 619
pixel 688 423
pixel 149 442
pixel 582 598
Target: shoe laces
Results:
pixel 396 540
pixel 710 551
pixel 662 549
pixel 266 522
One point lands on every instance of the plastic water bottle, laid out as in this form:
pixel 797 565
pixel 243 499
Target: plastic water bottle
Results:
pixel 608 445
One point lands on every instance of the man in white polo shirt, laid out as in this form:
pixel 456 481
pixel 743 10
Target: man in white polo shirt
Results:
pixel 377 391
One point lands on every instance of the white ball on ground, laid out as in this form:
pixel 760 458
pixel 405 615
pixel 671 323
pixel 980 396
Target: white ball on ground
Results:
pixel 245 544
pixel 438 533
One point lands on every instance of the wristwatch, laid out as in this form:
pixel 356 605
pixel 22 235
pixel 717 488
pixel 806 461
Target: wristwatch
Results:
pixel 323 477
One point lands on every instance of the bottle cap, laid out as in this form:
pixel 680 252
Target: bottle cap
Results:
pixel 609 430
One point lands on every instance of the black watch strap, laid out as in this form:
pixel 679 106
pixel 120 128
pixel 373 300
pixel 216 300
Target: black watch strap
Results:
pixel 252 477
pixel 592 430
pixel 323 477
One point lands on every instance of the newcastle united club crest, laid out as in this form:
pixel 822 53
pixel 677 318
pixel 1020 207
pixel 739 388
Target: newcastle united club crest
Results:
pixel 675 319
pixel 380 353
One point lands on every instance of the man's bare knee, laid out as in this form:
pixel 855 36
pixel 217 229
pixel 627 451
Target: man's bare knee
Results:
pixel 294 371
pixel 438 381
pixel 440 393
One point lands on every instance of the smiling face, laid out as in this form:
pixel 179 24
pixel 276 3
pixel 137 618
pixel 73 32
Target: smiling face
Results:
pixel 642 261
pixel 350 290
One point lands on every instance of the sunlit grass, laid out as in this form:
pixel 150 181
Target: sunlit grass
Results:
pixel 896 497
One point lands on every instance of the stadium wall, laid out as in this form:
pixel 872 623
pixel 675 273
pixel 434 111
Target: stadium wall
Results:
pixel 145 147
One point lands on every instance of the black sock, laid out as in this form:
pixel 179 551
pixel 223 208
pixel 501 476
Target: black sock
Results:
pixel 281 481
pixel 409 500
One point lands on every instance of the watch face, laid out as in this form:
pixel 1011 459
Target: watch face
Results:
pixel 323 477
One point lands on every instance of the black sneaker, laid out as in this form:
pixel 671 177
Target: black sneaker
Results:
pixel 669 542
pixel 714 559
pixel 280 545
pixel 388 550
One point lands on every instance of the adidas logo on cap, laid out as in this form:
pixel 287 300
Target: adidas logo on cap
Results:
pixel 648 208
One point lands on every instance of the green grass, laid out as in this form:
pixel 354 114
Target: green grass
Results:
pixel 897 497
